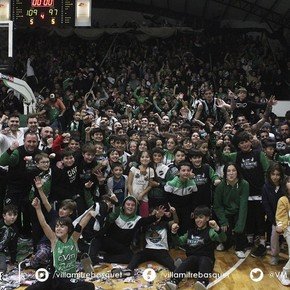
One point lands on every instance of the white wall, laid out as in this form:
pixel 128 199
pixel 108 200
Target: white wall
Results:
pixel 281 108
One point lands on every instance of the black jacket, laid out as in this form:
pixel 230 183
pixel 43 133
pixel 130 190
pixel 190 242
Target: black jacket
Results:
pixel 270 199
pixel 8 239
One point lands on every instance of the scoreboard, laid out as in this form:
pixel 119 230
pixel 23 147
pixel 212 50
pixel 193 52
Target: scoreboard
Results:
pixel 33 13
pixel 49 13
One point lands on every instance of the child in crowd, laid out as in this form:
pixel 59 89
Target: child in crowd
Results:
pixel 89 187
pixel 187 144
pixel 179 155
pixel 61 142
pixel 226 149
pixel 157 196
pixel 96 135
pixel 139 181
pixel 99 151
pixel 272 191
pixel 204 177
pixel 76 124
pixel 66 208
pixel 199 242
pixel 269 148
pixel 120 145
pixel 8 236
pixel 230 206
pixel 112 157
pixel 170 146
pixel 44 173
pixel 122 225
pixel 117 183
pixel 283 227
pixel 202 146
pixel 181 192
pixel 64 249
pixel 156 248
pixel 132 147
pixel 65 178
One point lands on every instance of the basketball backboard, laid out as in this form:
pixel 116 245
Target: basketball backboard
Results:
pixel 6 46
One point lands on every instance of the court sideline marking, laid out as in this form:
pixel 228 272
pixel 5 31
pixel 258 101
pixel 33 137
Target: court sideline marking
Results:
pixel 230 271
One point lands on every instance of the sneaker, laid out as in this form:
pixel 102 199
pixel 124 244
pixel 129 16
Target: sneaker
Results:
pixel 199 286
pixel 240 254
pixel 260 251
pixel 274 261
pixel 120 273
pixel 24 239
pixel 177 262
pixel 170 286
pixel 220 247
pixel 283 279
pixel 25 264
pixel 249 246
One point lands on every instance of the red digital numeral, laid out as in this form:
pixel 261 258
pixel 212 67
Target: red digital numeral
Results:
pixel 42 3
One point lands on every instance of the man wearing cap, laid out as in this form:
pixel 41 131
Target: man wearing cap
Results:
pixel 55 109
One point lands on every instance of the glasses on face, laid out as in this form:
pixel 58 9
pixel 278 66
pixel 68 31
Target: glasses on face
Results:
pixel 44 162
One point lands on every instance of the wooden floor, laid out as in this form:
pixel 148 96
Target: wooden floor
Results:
pixel 238 279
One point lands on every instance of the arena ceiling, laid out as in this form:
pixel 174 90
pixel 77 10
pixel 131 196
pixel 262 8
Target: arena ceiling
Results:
pixel 274 13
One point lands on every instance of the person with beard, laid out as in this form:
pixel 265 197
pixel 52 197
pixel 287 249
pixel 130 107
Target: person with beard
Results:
pixel 21 169
pixel 46 133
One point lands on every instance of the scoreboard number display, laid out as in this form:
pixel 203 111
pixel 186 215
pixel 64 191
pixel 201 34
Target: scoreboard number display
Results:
pixel 43 13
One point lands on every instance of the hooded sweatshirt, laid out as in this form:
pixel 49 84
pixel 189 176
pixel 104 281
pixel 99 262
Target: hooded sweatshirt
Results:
pixel 123 227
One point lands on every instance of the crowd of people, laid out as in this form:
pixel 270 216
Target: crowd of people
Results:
pixel 145 146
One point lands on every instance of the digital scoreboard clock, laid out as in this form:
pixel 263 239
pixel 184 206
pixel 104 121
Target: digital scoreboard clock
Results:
pixel 42 3
pixel 39 13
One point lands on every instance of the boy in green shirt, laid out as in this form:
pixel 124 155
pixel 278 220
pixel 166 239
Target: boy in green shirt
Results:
pixel 199 243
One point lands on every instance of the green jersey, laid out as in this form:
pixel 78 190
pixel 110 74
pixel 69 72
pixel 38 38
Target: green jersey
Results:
pixel 64 257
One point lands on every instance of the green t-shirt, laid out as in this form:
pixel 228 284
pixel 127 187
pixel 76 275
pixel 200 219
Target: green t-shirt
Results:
pixel 53 114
